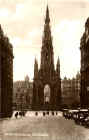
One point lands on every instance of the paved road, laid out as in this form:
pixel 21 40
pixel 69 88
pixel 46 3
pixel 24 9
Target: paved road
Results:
pixel 42 128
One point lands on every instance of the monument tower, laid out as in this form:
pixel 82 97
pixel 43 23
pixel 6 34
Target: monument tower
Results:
pixel 47 82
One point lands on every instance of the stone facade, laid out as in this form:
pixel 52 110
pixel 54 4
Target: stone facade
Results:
pixel 70 89
pixel 47 82
pixel 6 76
pixel 84 48
pixel 22 94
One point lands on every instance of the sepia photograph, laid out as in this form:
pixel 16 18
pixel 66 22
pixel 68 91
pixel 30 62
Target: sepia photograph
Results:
pixel 44 70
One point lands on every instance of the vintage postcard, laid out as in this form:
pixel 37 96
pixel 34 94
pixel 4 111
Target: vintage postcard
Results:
pixel 44 68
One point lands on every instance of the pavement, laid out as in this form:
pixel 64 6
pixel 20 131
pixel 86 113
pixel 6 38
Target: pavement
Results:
pixel 40 127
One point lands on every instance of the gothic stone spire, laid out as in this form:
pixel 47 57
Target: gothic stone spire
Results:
pixel 47 55
pixel 35 69
pixel 58 67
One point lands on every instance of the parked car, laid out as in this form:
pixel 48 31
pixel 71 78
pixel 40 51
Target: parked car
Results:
pixel 74 114
pixel 86 122
pixel 81 116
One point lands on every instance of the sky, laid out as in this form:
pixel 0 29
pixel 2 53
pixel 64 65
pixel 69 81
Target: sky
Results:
pixel 23 22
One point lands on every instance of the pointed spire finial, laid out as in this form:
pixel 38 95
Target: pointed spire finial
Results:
pixel 58 61
pixel 58 67
pixel 36 61
pixel 47 19
pixel 1 31
pixel 35 68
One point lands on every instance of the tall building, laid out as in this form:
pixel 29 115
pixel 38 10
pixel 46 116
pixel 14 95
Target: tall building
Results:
pixel 84 48
pixel 70 89
pixel 22 94
pixel 47 82
pixel 6 76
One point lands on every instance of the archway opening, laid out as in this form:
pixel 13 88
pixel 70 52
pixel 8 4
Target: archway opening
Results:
pixel 47 94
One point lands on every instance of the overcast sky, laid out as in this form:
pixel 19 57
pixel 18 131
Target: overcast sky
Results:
pixel 23 22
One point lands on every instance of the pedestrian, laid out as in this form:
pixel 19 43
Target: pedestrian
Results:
pixel 20 114
pixel 16 115
pixel 43 113
pixel 47 112
pixel 23 113
pixel 36 113
pixel 52 113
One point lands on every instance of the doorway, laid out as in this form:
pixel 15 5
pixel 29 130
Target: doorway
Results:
pixel 46 94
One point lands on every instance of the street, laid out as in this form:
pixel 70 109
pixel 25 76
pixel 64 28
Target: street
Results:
pixel 40 127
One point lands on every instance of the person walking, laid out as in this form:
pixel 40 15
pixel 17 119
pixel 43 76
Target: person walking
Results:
pixel 16 115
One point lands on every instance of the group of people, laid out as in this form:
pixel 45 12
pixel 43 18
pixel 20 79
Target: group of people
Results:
pixel 47 113
pixel 22 113
pixel 19 113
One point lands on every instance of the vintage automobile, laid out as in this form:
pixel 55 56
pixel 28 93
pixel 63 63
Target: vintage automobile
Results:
pixel 74 113
pixel 69 113
pixel 81 116
pixel 86 123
